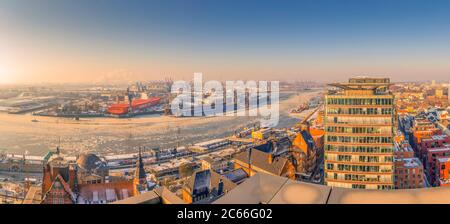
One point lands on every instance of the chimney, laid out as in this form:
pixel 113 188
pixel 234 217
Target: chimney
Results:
pixel 270 159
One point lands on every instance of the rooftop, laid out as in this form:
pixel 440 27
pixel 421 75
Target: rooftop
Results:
pixel 213 159
pixel 160 195
pixel 90 162
pixel 363 83
pixel 269 189
pixel 440 149
pixel 411 162
pixel 404 146
pixel 172 164
pixel 437 137
pixel 211 142
pixel 33 195
pixel 444 159
pixel 259 159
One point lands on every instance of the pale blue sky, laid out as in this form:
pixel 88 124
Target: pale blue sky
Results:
pixel 76 41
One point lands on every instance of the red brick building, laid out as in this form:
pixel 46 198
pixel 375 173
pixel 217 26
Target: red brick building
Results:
pixel 443 166
pixel 408 169
pixel 59 180
pixel 432 158
pixel 424 139
pixel 62 185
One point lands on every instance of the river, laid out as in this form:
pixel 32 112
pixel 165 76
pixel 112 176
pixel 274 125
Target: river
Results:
pixel 111 135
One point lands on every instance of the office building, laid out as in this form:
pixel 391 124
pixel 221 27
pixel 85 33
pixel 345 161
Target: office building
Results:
pixel 359 130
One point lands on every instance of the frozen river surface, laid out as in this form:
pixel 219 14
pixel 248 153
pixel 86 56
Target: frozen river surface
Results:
pixel 109 135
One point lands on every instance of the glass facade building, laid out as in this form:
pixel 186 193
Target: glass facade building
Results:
pixel 359 125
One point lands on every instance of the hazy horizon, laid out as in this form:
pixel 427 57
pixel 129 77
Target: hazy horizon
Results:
pixel 48 41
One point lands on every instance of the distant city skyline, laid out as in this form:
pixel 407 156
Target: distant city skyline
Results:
pixel 83 41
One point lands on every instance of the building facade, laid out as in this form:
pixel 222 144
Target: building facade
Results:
pixel 256 161
pixel 432 163
pixel 443 166
pixel 216 163
pixel 408 169
pixel 359 131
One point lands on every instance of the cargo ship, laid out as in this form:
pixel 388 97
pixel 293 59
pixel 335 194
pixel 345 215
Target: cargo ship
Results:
pixel 137 106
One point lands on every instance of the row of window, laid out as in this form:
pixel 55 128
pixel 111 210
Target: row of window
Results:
pixel 359 168
pixel 408 171
pixel 360 186
pixel 410 186
pixel 361 139
pixel 409 178
pixel 359 177
pixel 362 149
pixel 364 178
pixel 360 120
pixel 384 187
pixel 359 101
pixel 359 130
pixel 359 159
pixel 362 111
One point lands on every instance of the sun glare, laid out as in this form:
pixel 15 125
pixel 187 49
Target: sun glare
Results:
pixel 5 75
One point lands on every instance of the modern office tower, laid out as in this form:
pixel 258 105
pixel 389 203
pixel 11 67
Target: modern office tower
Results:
pixel 359 144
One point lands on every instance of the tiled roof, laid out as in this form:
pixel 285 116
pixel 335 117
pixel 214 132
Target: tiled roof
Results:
pixel 90 162
pixel 228 185
pixel 275 147
pixel 236 175
pixel 209 179
pixel 260 160
pixel 65 185
pixel 106 191
pixel 200 180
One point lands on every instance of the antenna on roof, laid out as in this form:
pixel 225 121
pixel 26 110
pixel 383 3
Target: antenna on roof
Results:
pixel 250 161
pixel 58 149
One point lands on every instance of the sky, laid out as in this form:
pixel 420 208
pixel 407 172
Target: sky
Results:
pixel 323 40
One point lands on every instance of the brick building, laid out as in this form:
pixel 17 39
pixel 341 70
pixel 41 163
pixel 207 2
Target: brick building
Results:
pixel 62 184
pixel 443 167
pixel 432 158
pixel 408 169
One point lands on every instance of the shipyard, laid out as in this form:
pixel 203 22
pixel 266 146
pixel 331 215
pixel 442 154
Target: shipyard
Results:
pixel 163 164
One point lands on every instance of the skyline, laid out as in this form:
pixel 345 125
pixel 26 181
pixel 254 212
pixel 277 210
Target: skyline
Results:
pixel 91 41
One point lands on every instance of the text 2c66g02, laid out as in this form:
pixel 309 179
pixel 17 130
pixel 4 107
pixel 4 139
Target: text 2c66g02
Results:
pixel 246 213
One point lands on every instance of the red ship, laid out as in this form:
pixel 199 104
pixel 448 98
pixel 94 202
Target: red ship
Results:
pixel 137 104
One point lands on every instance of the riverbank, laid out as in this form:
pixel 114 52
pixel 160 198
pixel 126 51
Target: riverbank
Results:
pixel 110 135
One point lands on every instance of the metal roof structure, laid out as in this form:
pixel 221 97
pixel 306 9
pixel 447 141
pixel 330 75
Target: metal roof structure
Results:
pixel 159 195
pixel 270 189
